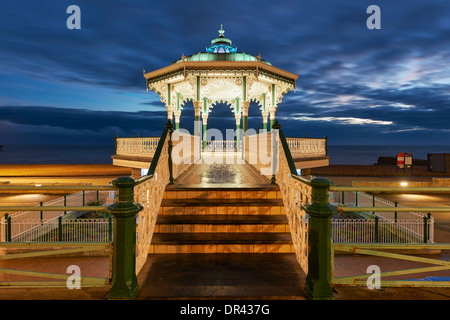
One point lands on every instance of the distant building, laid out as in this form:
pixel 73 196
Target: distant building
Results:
pixel 439 162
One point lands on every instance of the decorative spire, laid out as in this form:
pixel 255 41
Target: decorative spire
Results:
pixel 221 31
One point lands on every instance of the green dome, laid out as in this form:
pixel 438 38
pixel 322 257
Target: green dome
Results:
pixel 221 49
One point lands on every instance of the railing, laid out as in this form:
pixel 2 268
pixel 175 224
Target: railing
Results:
pixel 380 231
pixel 296 192
pixel 307 147
pixel 136 146
pixel 148 192
pixel 57 230
pixel 269 153
pixel 418 226
pixel 221 145
pixel 307 205
pixel 176 151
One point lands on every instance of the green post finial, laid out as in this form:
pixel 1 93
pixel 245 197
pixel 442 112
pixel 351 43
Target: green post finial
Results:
pixel 221 31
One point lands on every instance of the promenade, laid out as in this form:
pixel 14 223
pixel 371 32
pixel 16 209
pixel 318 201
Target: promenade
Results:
pixel 222 276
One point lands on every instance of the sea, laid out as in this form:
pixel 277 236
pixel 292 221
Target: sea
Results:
pixel 101 154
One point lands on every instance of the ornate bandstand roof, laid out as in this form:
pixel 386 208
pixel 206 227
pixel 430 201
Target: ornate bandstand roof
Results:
pixel 221 74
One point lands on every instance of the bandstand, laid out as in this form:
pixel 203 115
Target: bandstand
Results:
pixel 221 75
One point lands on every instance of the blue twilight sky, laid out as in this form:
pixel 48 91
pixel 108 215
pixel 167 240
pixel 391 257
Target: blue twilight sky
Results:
pixel 356 86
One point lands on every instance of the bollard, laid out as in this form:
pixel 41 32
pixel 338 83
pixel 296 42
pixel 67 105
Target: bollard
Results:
pixel 124 280
pixel 318 280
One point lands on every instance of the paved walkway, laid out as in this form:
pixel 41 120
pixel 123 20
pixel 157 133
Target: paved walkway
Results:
pixel 221 275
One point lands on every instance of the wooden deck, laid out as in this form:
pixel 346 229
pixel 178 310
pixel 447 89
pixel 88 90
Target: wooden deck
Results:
pixel 224 170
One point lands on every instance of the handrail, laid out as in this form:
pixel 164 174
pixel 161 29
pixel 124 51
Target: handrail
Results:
pixel 16 188
pixel 156 156
pixel 53 208
pixel 393 209
pixel 289 158
pixel 393 189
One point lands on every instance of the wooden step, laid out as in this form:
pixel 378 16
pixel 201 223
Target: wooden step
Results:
pixel 221 223
pixel 222 220
pixel 266 192
pixel 221 243
pixel 221 206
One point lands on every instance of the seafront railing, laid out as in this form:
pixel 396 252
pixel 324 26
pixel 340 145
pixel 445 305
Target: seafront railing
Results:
pixel 418 226
pixel 310 206
pixel 57 230
pixel 380 231
pixel 34 220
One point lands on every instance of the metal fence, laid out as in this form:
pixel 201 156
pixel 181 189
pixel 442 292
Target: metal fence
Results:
pixel 81 198
pixel 385 227
pixel 23 226
pixel 379 230
pixel 57 230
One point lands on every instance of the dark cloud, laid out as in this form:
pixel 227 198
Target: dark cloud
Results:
pixel 353 81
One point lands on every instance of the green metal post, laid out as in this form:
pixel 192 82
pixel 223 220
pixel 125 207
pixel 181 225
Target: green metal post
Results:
pixel 343 202
pixel 373 202
pixel 65 202
pixel 395 213
pixel 42 212
pixel 425 227
pixel 204 136
pixel 7 227
pixel 275 129
pixel 98 195
pixel 318 279
pixel 238 137
pixel 356 198
pixel 84 197
pixel 245 124
pixel 169 127
pixel 124 280
pixel 60 233
pixel 376 228
pixel 110 228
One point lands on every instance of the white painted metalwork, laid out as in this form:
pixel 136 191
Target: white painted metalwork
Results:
pixel 73 230
pixel 363 231
pixel 221 145
pixel 361 199
pixel 136 146
pixel 307 147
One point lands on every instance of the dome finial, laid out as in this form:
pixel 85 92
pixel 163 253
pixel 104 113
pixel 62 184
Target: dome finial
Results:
pixel 221 31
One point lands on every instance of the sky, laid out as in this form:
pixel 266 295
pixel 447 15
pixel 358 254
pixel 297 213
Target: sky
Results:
pixel 387 86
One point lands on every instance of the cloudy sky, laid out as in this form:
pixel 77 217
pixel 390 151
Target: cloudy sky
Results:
pixel 356 85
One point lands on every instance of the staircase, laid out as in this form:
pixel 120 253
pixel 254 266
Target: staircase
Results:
pixel 222 220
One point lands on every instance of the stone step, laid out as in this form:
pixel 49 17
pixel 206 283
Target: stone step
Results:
pixel 221 223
